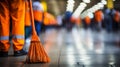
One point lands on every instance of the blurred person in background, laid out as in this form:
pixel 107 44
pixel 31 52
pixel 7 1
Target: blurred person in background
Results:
pixel 76 21
pixel 14 9
pixel 98 17
pixel 67 21
pixel 87 22
pixel 38 15
pixel 27 20
pixel 28 28
pixel 116 20
pixel 49 20
pixel 108 20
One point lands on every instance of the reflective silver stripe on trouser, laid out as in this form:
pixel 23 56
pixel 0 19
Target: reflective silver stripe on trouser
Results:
pixel 18 36
pixel 4 37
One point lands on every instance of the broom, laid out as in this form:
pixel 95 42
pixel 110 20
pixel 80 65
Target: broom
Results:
pixel 36 51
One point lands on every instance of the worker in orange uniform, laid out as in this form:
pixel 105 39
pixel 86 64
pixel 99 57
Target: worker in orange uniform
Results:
pixel 49 19
pixel 38 15
pixel 87 22
pixel 76 21
pixel 27 20
pixel 116 20
pixel 98 19
pixel 14 9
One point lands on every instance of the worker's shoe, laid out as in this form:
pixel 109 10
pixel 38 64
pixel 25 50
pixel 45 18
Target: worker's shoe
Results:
pixel 3 54
pixel 20 53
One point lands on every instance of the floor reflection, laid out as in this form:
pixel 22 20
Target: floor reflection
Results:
pixel 78 48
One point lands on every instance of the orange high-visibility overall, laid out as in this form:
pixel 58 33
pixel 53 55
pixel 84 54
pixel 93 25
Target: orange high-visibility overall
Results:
pixel 38 11
pixel 16 10
pixel 53 20
pixel 38 15
pixel 75 20
pixel 117 16
pixel 87 20
pixel 46 18
pixel 27 14
pixel 98 16
pixel 49 19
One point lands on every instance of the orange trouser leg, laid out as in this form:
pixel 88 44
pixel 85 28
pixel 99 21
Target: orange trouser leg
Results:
pixel 4 25
pixel 18 17
pixel 27 14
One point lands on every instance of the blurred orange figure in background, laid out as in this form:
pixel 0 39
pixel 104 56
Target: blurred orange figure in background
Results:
pixel 87 20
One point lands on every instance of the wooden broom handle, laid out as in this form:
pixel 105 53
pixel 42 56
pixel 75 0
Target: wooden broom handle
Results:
pixel 32 19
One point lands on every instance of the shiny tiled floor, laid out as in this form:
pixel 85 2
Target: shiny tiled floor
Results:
pixel 78 48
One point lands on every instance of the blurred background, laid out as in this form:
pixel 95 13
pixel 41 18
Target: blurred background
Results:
pixel 84 13
pixel 75 33
pixel 59 6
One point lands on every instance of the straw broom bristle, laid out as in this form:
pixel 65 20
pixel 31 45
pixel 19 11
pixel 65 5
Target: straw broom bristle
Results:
pixel 36 52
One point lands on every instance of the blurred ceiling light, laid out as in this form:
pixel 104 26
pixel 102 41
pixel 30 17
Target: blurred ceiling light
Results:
pixel 94 8
pixel 104 2
pixel 78 11
pixel 86 1
pixel 70 5
pixel 101 5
